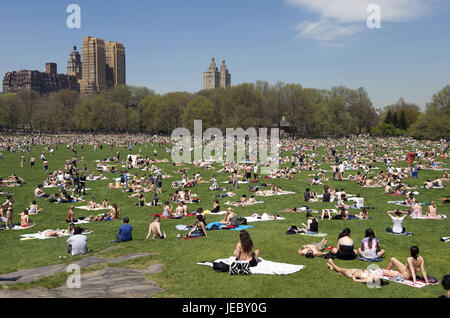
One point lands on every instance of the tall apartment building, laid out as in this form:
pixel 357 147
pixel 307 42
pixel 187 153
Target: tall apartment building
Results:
pixel 115 64
pixel 225 76
pixel 74 66
pixel 94 66
pixel 41 82
pixel 213 79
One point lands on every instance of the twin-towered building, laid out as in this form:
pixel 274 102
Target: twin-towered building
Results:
pixel 102 67
pixel 213 79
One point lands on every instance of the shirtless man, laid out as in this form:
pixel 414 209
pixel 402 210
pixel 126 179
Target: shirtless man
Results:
pixel 314 249
pixel 155 229
pixel 70 214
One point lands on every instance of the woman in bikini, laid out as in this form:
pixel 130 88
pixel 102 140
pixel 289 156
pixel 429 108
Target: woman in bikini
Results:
pixel 357 275
pixel 407 271
pixel 244 249
pixel 25 219
pixel 432 210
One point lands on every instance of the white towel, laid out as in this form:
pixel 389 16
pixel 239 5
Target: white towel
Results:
pixel 424 217
pixel 318 234
pixel 86 207
pixel 264 217
pixel 264 267
pixel 42 236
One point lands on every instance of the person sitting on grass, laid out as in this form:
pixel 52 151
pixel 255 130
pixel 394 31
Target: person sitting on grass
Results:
pixel 446 285
pixel 25 219
pixel 357 275
pixel 34 209
pixel 70 215
pixel 370 247
pixel 311 226
pixel 364 215
pixel 345 246
pixel 230 219
pixel 216 208
pixel 343 215
pixel 167 210
pixel 77 244
pixel 313 249
pixel 417 209
pixel 432 210
pixel 326 215
pixel 93 205
pixel 407 271
pixel 244 249
pixel 125 232
pixel 199 228
pixel 397 221
pixel 155 229
pixel 38 193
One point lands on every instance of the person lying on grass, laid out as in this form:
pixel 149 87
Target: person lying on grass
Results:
pixel 313 249
pixel 244 249
pixel 199 228
pixel 357 275
pixel 155 229
pixel 407 271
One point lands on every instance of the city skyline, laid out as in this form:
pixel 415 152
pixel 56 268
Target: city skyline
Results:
pixel 290 41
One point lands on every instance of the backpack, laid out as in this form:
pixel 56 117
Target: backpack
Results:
pixel 221 267
pixel 242 221
pixel 293 230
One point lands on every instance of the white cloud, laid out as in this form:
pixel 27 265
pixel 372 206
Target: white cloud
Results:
pixel 339 19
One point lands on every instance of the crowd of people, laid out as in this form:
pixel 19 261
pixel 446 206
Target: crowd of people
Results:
pixel 366 162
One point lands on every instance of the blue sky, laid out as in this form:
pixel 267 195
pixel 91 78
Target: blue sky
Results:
pixel 317 43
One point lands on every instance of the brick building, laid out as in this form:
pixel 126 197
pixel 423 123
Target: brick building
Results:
pixel 41 82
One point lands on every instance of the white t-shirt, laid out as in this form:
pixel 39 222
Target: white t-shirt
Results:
pixel 397 224
pixel 79 244
pixel 359 203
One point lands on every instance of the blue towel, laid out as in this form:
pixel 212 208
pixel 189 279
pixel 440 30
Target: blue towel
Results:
pixel 240 227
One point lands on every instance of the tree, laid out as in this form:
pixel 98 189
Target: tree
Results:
pixel 200 108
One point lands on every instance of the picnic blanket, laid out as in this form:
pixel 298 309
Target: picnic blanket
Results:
pixel 424 217
pixel 164 217
pixel 217 225
pixel 419 283
pixel 238 204
pixel 86 207
pixel 37 236
pixel 264 217
pixel 218 213
pixel 317 234
pixel 400 203
pixel 18 227
pixel 271 195
pixel 263 267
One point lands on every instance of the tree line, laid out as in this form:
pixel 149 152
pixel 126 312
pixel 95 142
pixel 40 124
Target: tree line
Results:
pixel 307 112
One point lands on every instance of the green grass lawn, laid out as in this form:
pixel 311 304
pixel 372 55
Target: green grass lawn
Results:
pixel 181 276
